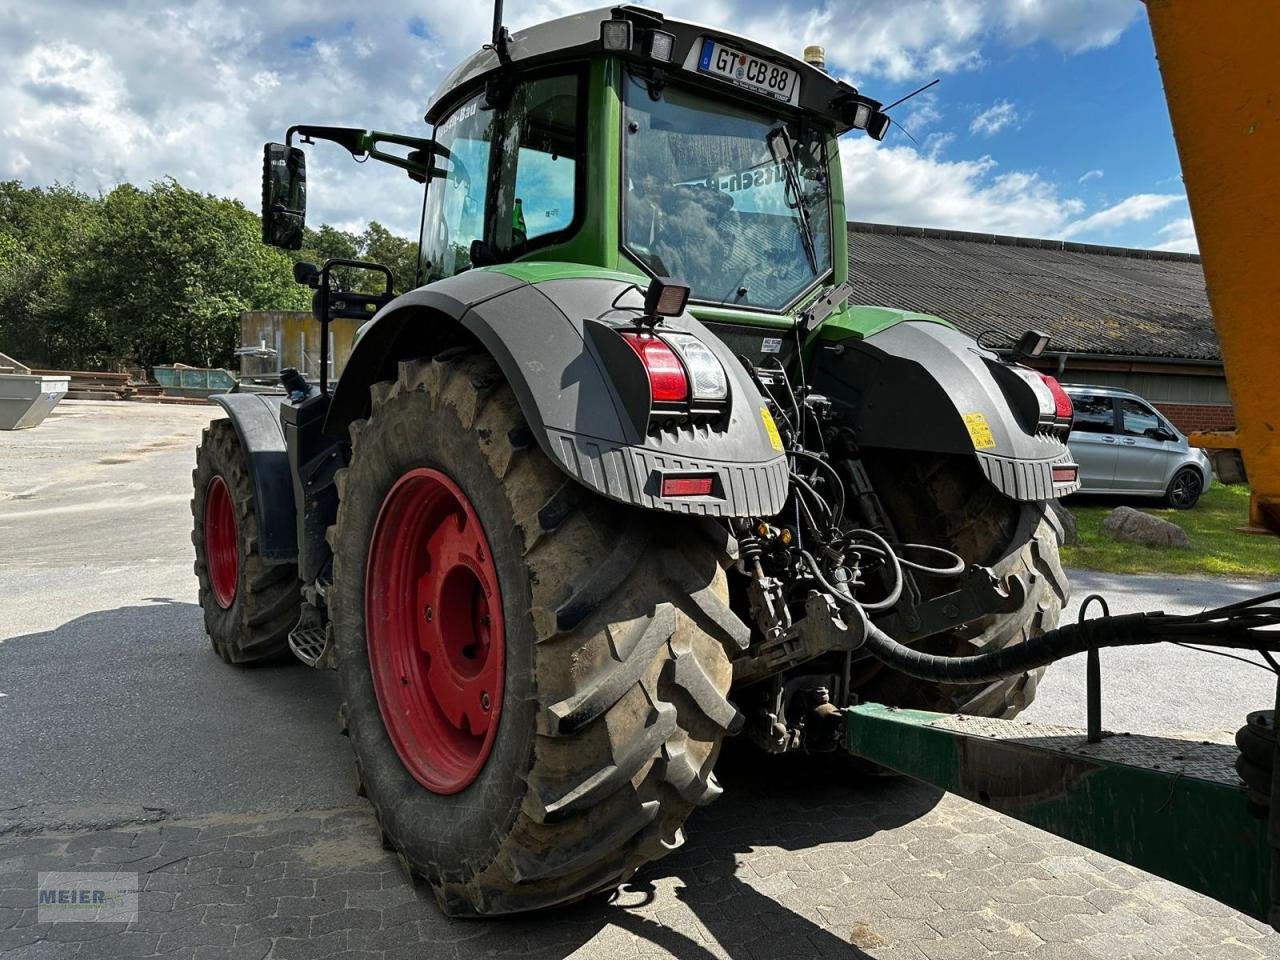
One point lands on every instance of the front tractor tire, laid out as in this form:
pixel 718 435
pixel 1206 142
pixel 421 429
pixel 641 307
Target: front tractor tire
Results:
pixel 249 606
pixel 533 678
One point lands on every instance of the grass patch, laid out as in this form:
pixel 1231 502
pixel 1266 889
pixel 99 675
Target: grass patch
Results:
pixel 1217 546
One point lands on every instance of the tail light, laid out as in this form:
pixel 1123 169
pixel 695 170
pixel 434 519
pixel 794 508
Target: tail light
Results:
pixel 667 380
pixel 1063 408
pixel 709 380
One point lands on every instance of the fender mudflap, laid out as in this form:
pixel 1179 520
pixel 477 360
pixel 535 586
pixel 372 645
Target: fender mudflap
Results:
pixel 256 418
pixel 925 386
pixel 542 325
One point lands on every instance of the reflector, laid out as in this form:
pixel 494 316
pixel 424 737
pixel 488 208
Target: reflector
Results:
pixel 699 486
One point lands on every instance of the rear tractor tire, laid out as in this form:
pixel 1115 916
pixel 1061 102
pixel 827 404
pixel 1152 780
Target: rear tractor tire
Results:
pixel 948 502
pixel 533 678
pixel 249 606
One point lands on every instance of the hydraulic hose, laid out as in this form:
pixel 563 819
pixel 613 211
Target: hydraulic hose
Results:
pixel 1122 631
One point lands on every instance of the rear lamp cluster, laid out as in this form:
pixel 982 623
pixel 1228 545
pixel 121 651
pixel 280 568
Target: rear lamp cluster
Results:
pixel 680 367
pixel 1063 408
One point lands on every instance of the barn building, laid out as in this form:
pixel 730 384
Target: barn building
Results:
pixel 1136 319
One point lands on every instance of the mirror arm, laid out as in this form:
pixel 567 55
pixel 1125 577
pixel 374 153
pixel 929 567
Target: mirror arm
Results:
pixel 363 144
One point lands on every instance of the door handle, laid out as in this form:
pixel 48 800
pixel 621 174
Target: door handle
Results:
pixel 1130 442
pixel 1108 439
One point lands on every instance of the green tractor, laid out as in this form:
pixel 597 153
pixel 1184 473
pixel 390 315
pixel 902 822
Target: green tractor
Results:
pixel 625 473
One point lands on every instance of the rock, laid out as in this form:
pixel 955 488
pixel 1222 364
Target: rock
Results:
pixel 1133 526
pixel 1070 536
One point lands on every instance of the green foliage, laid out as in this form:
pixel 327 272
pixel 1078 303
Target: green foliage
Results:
pixel 156 275
pixel 376 243
pixel 1213 526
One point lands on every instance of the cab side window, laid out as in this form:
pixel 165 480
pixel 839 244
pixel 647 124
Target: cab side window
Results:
pixel 1094 414
pixel 1139 420
pixel 510 179
pixel 540 156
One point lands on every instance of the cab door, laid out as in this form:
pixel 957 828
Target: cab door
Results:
pixel 1146 453
pixel 1093 440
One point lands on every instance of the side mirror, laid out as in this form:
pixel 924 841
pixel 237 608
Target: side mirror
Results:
pixel 284 196
pixel 306 274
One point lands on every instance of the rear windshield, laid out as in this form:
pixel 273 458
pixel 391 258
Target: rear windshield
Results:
pixel 706 201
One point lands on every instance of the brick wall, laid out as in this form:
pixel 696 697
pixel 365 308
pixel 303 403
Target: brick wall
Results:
pixel 1189 417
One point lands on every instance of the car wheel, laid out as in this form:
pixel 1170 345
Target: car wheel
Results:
pixel 1184 489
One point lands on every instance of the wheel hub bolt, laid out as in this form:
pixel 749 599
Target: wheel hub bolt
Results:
pixel 484 702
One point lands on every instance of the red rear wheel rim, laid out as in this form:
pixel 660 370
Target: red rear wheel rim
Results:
pixel 221 542
pixel 433 621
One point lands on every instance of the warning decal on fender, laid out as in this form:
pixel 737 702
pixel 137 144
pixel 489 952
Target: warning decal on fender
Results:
pixel 979 431
pixel 771 429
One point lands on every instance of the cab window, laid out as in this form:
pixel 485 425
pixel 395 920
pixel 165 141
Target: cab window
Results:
pixel 1094 414
pixel 453 216
pixel 510 179
pixel 1139 420
pixel 537 181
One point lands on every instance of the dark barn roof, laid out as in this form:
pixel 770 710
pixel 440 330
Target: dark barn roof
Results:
pixel 1090 299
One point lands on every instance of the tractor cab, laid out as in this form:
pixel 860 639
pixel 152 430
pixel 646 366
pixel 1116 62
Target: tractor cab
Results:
pixel 627 141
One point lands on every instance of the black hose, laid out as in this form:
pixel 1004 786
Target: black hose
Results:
pixel 1128 630
pixel 836 482
pixel 895 569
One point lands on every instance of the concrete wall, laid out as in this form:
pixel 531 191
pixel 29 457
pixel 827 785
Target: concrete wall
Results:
pixel 296 335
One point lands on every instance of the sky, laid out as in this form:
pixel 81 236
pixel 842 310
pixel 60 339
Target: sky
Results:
pixel 1049 120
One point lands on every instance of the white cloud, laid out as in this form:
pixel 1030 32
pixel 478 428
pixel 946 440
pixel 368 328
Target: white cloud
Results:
pixel 994 119
pixel 1072 27
pixel 1089 175
pixel 901 185
pixel 95 94
pixel 1179 236
pixel 923 112
pixel 1139 206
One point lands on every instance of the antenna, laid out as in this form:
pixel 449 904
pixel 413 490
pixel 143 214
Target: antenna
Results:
pixel 500 35
pixel 882 109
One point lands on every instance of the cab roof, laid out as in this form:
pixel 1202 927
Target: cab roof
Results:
pixel 579 35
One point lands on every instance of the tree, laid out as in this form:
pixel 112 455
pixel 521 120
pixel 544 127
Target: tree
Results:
pixel 170 271
pixel 375 243
pixel 41 323
pixel 154 275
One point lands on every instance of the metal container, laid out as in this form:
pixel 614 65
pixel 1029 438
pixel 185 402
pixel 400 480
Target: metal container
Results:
pixel 180 380
pixel 26 399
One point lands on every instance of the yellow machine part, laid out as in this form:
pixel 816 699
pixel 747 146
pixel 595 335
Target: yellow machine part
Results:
pixel 1219 65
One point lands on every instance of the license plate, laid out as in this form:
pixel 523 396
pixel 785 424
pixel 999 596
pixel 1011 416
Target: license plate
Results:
pixel 751 73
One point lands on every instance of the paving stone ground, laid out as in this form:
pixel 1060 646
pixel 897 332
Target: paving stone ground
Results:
pixel 780 867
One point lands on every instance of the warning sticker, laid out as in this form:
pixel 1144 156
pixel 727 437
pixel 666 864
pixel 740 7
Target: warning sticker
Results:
pixel 979 431
pixel 771 428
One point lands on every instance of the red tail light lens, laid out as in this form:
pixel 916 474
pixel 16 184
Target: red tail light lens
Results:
pixel 1063 409
pixel 667 380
